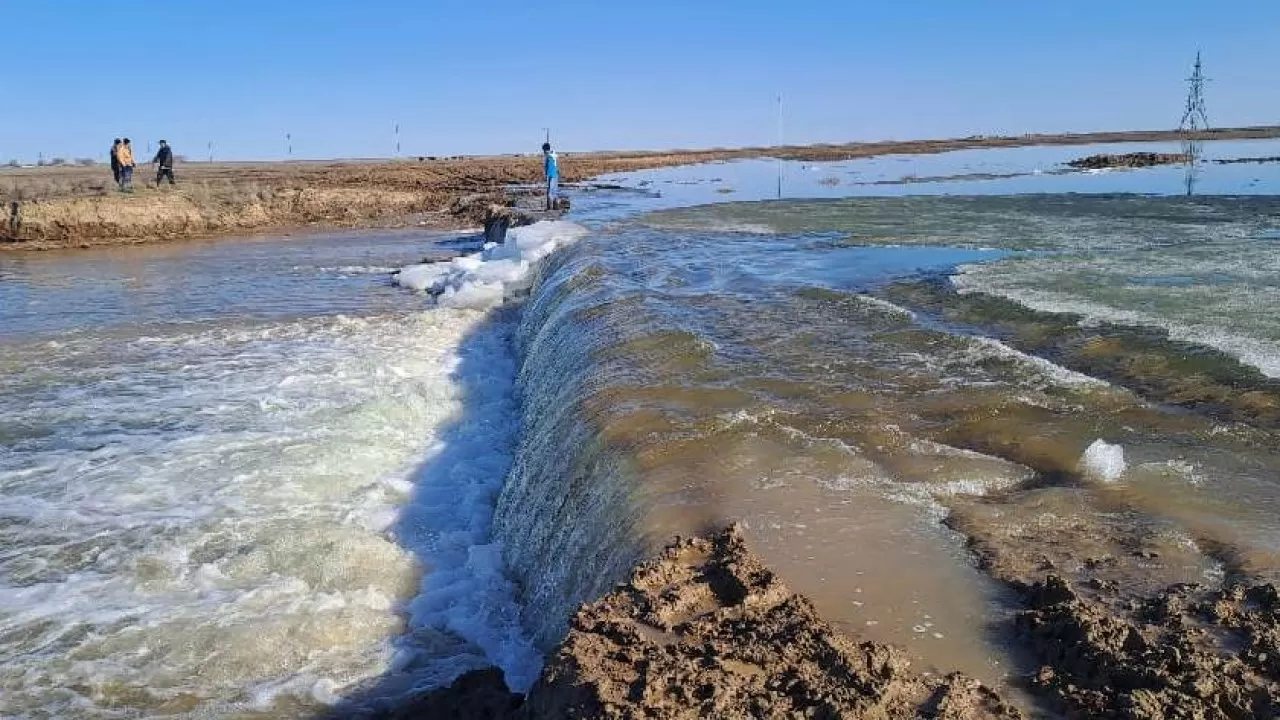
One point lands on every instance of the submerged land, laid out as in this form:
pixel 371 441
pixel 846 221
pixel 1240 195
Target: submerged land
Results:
pixel 69 206
pixel 1103 621
pixel 705 630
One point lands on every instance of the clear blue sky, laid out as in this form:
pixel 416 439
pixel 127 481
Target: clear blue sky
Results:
pixel 484 76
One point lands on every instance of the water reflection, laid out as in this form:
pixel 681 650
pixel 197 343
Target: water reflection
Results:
pixel 1193 151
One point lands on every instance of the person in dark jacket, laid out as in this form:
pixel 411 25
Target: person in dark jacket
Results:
pixel 115 161
pixel 164 161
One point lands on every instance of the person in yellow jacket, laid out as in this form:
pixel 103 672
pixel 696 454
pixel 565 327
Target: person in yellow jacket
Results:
pixel 125 155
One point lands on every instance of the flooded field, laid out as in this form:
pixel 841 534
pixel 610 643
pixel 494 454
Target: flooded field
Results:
pixel 261 479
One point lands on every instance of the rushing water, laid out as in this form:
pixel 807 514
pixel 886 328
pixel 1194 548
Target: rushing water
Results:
pixel 207 452
pixel 253 478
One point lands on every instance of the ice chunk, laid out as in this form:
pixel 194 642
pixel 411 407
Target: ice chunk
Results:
pixel 484 279
pixel 1102 461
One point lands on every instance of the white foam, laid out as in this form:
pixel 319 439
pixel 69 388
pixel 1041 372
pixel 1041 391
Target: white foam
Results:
pixel 1259 353
pixel 466 592
pixel 1056 374
pixel 1228 316
pixel 1102 461
pixel 218 523
pixel 886 306
pixel 485 279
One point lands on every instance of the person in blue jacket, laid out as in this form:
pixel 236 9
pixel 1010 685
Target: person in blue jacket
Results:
pixel 551 166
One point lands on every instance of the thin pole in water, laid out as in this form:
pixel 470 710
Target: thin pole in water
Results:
pixel 779 146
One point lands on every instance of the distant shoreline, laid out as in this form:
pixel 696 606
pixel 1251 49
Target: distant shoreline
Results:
pixel 64 207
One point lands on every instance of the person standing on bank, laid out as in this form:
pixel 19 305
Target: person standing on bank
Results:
pixel 115 161
pixel 164 161
pixel 551 166
pixel 125 154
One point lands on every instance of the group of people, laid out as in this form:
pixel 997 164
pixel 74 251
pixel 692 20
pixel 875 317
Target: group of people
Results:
pixel 122 163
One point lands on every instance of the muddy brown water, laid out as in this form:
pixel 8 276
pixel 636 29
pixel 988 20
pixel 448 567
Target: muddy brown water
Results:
pixel 684 377
pixel 206 446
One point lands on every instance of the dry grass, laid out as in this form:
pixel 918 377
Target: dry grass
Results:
pixel 72 205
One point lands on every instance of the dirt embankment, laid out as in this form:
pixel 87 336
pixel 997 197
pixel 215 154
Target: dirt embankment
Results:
pixel 75 207
pixel 1127 160
pixel 1116 635
pixel 59 207
pixel 706 631
pixel 1188 652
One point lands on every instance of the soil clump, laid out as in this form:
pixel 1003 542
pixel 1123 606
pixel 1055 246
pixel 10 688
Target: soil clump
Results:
pixel 706 631
pixel 1127 160
pixel 1188 652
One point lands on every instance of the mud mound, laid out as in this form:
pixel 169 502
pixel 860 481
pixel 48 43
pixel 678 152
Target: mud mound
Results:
pixel 1113 622
pixel 1189 652
pixel 706 631
pixel 1127 160
pixel 1120 556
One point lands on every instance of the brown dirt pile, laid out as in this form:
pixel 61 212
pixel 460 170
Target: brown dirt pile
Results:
pixel 1189 652
pixel 1112 621
pixel 200 210
pixel 706 631
pixel 1127 160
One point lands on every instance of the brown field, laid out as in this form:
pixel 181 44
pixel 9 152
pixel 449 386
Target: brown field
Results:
pixel 76 206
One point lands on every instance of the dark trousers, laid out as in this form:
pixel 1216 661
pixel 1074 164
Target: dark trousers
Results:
pixel 162 173
pixel 115 172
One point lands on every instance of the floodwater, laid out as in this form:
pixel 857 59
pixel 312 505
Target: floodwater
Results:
pixel 258 478
pixel 210 456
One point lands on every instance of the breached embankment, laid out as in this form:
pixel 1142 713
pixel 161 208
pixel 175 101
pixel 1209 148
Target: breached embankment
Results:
pixel 626 418
pixel 705 630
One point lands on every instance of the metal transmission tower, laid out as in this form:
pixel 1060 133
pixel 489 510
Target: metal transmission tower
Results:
pixel 1194 122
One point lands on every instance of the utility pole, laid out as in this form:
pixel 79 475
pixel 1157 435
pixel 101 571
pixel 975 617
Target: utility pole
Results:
pixel 1194 122
pixel 288 141
pixel 397 131
pixel 546 134
pixel 210 151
